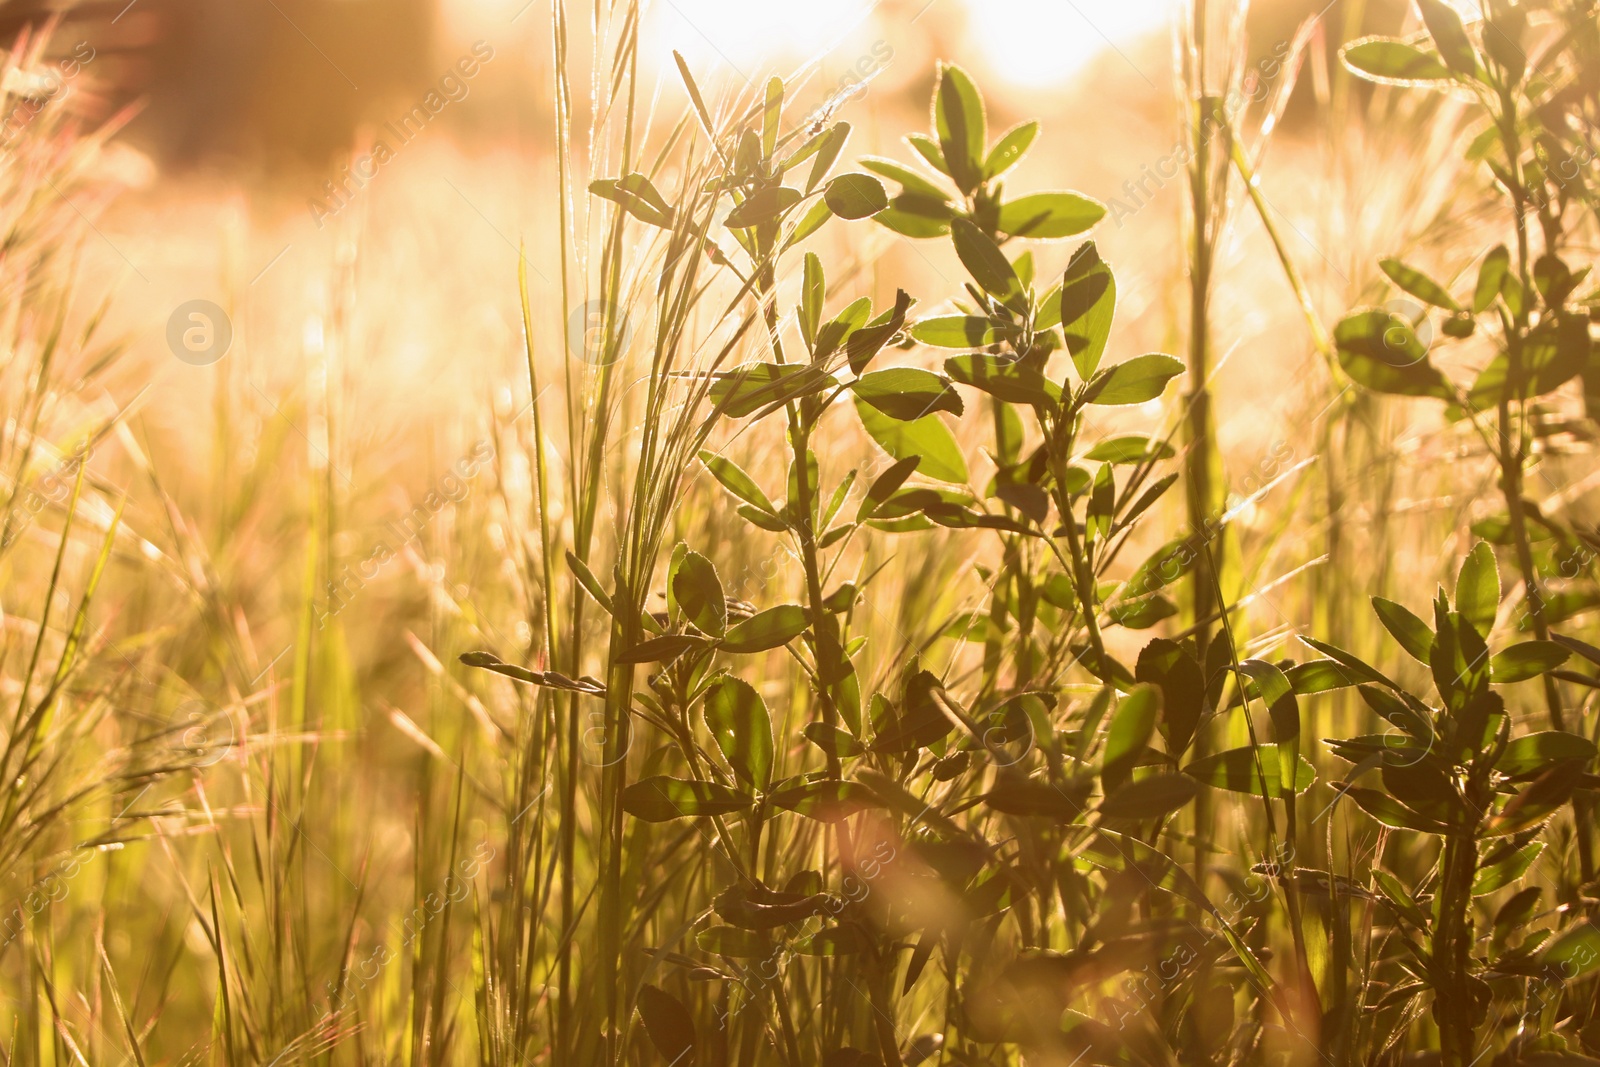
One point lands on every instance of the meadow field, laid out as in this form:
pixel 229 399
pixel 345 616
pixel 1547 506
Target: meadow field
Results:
pixel 869 535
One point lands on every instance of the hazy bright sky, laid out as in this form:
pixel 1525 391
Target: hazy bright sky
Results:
pixel 1030 42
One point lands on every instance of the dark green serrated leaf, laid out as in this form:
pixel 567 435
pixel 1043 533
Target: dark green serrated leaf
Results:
pixel 765 630
pixel 699 594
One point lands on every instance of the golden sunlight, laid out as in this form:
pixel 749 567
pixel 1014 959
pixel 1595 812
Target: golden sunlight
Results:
pixel 1027 42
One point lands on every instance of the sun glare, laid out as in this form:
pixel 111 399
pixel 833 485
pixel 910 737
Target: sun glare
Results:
pixel 1044 42
pixel 1027 42
pixel 738 34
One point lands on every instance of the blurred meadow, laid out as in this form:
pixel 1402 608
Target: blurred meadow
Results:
pixel 384 520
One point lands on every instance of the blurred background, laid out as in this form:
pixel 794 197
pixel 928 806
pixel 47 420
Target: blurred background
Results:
pixel 247 115
pixel 272 84
pixel 351 180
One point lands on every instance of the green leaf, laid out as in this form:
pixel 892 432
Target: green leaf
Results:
pixel 1009 149
pixel 986 263
pixel 765 630
pixel 667 1021
pixel 1004 377
pixel 1397 712
pixel 827 153
pixel 1575 952
pixel 1088 304
pixel 1050 216
pixel 1380 350
pixel 754 386
pixel 738 720
pixel 907 394
pixel 1141 613
pixel 855 196
pixel 1320 676
pixel 1503 31
pixel 761 519
pixel 1390 812
pixel 637 197
pixel 885 485
pixel 929 150
pixel 1582 648
pixel 813 291
pixel 910 181
pixel 662 799
pixel 1238 770
pixel 1393 62
pixel 1130 448
pixel 1418 284
pixel 590 583
pixel 1491 276
pixel 809 223
pixel 736 481
pixel 960 331
pixel 827 800
pixel 1405 904
pixel 905 218
pixel 961 125
pixel 1279 697
pixel 1151 797
pixel 1445 27
pixel 865 343
pixel 1526 660
pixel 763 205
pixel 1353 664
pixel 1136 381
pixel 770 117
pixel 1533 752
pixel 1545 796
pixel 1414 635
pixel 833 740
pixel 928 438
pixel 1133 721
pixel 1478 588
pixel 1172 667
pixel 699 594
